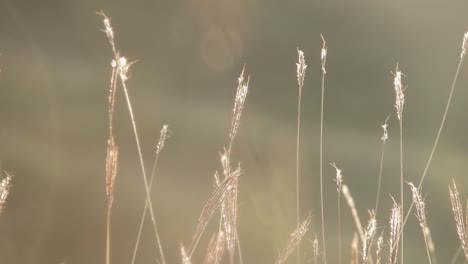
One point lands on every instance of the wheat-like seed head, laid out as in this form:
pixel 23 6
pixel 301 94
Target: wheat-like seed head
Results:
pixel 420 206
pixel 395 230
pixel 369 234
pixel 385 131
pixel 462 227
pixel 400 96
pixel 165 134
pixel 241 95
pixel 111 169
pixel 301 70
pixel 379 248
pixel 338 179
pixel 464 45
pixel 5 186
pixel 323 55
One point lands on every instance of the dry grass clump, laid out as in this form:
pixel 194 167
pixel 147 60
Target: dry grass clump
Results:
pixel 224 198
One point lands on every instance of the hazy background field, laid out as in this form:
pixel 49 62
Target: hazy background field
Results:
pixel 55 63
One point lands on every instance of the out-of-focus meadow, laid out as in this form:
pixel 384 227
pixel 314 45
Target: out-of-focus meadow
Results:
pixel 54 81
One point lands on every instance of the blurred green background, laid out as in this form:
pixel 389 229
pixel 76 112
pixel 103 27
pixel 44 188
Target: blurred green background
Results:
pixel 55 63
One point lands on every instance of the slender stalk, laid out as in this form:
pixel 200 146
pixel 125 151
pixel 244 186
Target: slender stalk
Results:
pixel 457 253
pixel 339 181
pixel 297 172
pixel 108 236
pixel 324 58
pixel 401 187
pixel 399 103
pixel 301 67
pixel 339 228
pixel 384 139
pixel 121 64
pixel 321 171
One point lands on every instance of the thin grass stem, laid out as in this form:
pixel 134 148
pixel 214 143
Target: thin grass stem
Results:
pixel 123 66
pixel 382 154
pixel 301 68
pixel 324 58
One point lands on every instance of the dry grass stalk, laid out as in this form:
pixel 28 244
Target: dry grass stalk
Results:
pixel 229 205
pixel 464 45
pixel 323 57
pixel 216 248
pixel 121 69
pixel 369 234
pixel 294 240
pixel 301 70
pixel 5 186
pixel 112 157
pixel 382 153
pixel 395 232
pixel 355 249
pixel 461 220
pixel 215 201
pixel 352 206
pixel 339 183
pixel 399 103
pixel 421 215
